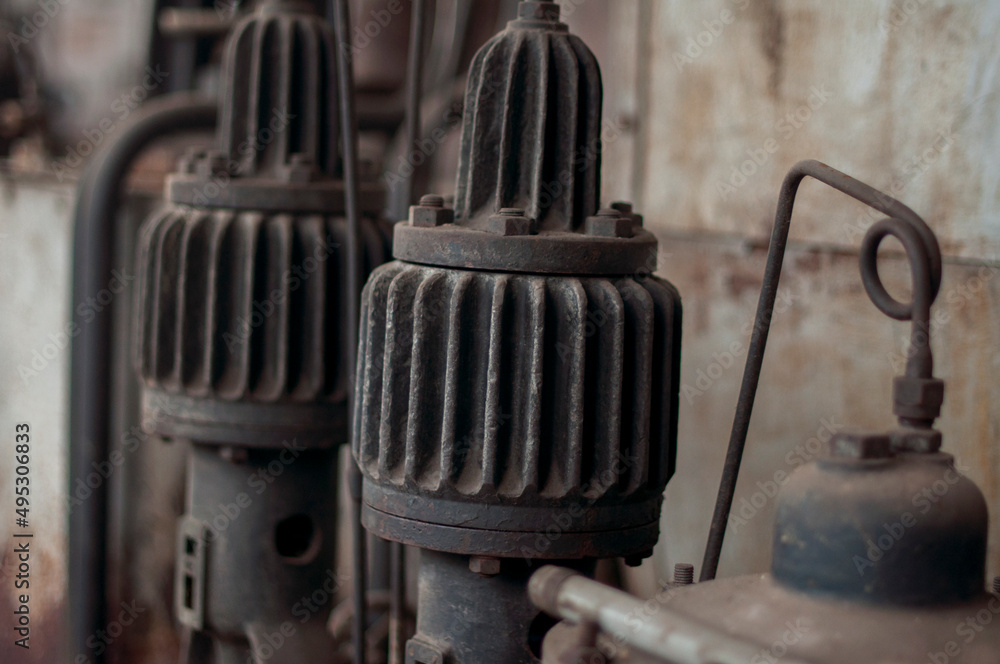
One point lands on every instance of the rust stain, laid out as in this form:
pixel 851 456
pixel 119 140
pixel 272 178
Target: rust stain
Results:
pixel 772 41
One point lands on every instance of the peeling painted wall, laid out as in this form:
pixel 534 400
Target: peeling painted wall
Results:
pixel 35 248
pixel 717 99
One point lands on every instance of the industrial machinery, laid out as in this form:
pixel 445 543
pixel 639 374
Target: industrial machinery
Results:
pixel 517 371
pixel 507 388
pixel 242 348
pixel 879 546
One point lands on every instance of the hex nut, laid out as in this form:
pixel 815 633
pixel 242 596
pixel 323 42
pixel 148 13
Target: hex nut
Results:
pixel 919 441
pixel 211 164
pixel 484 565
pixel 431 213
pixel 917 398
pixel 419 651
pixel 628 210
pixel 510 222
pixel 860 445
pixel 609 223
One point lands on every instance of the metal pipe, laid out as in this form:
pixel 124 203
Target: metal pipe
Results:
pixel 765 307
pixel 397 603
pixel 413 89
pixel 349 136
pixel 647 625
pixel 95 233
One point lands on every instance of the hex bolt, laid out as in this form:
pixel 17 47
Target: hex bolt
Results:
pixel 609 222
pixel 431 212
pixel 421 652
pixel 509 222
pixel 635 560
pixel 484 565
pixel 916 440
pixel 860 445
pixel 627 210
pixel 683 574
pixel 188 163
pixel 214 162
pixel 300 169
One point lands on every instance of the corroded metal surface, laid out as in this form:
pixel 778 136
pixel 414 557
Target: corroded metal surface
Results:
pixel 517 365
pixel 497 402
pixel 244 345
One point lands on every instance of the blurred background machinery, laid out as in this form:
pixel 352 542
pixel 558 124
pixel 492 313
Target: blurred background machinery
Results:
pixel 705 106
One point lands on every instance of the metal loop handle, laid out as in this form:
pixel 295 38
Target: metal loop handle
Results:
pixel 918 310
pixel 925 257
pixel 918 254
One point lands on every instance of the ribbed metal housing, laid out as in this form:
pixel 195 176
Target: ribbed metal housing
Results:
pixel 280 70
pixel 246 308
pixel 240 334
pixel 488 399
pixel 533 140
pixel 531 146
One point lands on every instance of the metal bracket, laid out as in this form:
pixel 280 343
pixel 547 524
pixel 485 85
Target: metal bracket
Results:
pixel 189 581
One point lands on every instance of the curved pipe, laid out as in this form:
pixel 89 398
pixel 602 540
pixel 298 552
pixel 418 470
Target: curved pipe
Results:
pixel 89 420
pixel 765 307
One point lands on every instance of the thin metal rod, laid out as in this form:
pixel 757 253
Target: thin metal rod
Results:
pixel 349 137
pixel 414 84
pixel 397 603
pixel 96 231
pixel 765 308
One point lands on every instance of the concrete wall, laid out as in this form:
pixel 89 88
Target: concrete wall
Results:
pixel 715 101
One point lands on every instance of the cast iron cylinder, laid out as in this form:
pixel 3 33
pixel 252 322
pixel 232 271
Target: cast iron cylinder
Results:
pixel 240 337
pixel 517 415
pixel 518 365
pixel 871 526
